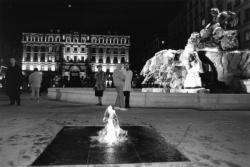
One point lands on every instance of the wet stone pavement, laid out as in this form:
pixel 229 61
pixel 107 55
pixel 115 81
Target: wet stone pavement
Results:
pixel 206 138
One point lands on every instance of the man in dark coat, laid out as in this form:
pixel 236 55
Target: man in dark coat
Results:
pixel 13 82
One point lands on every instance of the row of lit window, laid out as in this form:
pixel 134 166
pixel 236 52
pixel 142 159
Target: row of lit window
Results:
pixel 74 59
pixel 75 49
pixel 42 39
pixel 39 67
pixel 27 58
pixel 115 60
pixel 96 50
pixel 42 48
pixel 109 40
pixel 100 40
pixel 108 50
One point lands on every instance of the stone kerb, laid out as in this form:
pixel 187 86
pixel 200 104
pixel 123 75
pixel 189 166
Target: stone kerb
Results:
pixel 158 100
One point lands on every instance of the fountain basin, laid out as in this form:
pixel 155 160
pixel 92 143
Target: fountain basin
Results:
pixel 73 146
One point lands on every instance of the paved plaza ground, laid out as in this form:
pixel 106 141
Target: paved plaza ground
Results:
pixel 207 138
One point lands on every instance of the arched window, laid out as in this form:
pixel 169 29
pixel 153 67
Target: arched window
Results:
pixel 27 57
pixel 50 39
pixel 28 49
pixel 108 59
pixel 100 50
pixel 115 40
pixel 82 50
pixel 50 48
pixel 35 48
pixel 42 59
pixel 93 50
pixel 119 41
pixel 93 58
pixel 115 51
pixel 35 58
pixel 82 59
pixel 115 60
pixel 75 50
pixel 122 51
pixel 57 48
pixel 100 60
pixel 57 39
pixel 67 49
pixel 83 40
pixel 122 60
pixel 108 50
pixel 101 40
pixel 122 41
pixel 68 39
pixel 93 40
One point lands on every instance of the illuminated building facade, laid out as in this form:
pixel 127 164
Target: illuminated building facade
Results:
pixel 71 53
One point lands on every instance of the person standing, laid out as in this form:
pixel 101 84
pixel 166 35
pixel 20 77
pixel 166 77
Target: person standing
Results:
pixel 127 85
pixel 13 82
pixel 100 84
pixel 35 80
pixel 119 80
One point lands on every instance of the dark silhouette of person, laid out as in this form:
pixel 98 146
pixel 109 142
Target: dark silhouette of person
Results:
pixel 13 82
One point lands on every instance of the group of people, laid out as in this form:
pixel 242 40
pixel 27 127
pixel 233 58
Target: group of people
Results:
pixel 14 79
pixel 122 79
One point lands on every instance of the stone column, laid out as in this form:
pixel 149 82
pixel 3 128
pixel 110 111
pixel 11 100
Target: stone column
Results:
pixel 39 57
pixel 31 57
pixel 112 59
pixel 46 58
pixel 97 59
pixel 104 59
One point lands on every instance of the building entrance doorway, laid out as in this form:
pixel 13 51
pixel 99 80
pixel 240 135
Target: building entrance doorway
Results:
pixel 75 80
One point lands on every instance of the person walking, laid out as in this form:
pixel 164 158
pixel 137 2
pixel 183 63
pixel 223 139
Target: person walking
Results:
pixel 127 85
pixel 119 79
pixel 35 80
pixel 13 82
pixel 100 84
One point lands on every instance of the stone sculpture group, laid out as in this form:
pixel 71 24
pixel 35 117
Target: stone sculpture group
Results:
pixel 216 43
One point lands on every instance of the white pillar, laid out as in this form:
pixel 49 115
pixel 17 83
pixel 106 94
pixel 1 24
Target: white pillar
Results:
pixel 112 60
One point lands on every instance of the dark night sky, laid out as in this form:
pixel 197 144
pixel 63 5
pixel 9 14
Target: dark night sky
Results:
pixel 139 18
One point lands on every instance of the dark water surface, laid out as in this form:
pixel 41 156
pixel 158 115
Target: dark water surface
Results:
pixel 73 146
